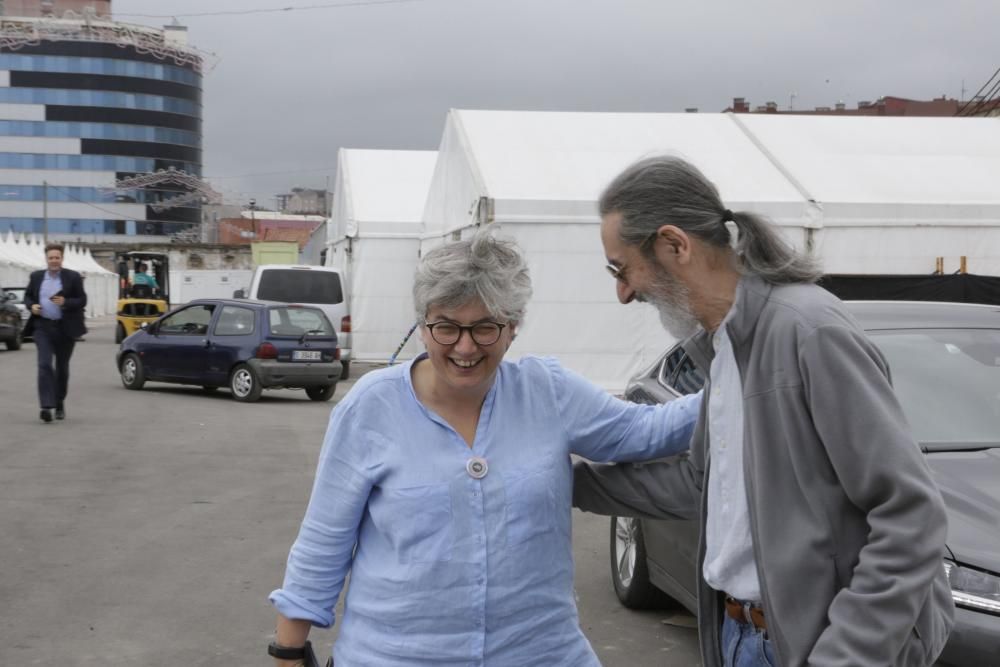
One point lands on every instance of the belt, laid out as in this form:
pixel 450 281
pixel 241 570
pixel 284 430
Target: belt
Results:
pixel 745 613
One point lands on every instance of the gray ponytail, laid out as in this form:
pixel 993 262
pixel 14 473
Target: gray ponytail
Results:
pixel 667 190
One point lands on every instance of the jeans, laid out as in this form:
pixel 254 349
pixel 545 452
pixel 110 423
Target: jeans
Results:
pixel 745 646
pixel 50 341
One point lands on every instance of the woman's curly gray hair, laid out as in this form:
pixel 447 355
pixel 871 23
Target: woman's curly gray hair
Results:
pixel 481 267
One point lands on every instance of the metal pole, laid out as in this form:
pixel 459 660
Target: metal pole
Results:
pixel 45 211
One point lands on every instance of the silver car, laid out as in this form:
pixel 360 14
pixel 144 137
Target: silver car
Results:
pixel 945 365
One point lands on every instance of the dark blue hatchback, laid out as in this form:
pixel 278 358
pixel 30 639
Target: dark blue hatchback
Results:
pixel 247 346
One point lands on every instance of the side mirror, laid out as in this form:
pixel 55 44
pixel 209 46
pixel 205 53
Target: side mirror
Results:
pixel 145 326
pixel 240 294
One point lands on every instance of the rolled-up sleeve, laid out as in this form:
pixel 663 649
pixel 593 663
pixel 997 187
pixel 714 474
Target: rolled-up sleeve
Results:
pixel 322 553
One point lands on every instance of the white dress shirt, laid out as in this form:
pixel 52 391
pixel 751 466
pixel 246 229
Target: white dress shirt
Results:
pixel 729 560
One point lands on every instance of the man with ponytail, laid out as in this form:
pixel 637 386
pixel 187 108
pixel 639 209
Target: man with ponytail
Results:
pixel 822 532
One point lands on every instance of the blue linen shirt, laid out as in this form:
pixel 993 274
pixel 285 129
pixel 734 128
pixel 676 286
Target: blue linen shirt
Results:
pixel 449 569
pixel 51 285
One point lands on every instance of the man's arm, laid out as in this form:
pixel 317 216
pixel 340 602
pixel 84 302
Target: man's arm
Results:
pixel 883 472
pixel 77 298
pixel 669 489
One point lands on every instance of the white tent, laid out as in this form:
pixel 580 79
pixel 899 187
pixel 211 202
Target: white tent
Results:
pixel 537 175
pixel 20 257
pixel 889 195
pixel 374 237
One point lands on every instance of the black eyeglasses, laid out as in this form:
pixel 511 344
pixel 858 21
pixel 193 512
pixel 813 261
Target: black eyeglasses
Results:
pixel 618 272
pixel 448 333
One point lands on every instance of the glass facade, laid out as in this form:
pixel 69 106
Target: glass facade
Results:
pixel 99 98
pixel 106 66
pixel 118 132
pixel 133 113
pixel 62 193
pixel 117 163
pixel 90 226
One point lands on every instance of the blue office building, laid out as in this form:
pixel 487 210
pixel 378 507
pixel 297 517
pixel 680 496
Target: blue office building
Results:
pixel 86 103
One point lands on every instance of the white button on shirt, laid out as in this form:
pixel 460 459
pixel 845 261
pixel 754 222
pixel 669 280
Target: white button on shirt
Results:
pixel 729 561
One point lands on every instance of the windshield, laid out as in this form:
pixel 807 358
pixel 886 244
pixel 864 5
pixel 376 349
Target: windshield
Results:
pixel 300 286
pixel 948 381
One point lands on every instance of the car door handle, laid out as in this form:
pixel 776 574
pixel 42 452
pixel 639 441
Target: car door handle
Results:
pixel 207 343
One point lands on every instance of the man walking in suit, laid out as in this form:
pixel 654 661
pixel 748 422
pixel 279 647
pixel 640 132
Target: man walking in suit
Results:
pixel 56 299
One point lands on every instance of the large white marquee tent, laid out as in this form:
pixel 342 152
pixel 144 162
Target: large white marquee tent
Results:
pixel 20 256
pixel 374 237
pixel 869 195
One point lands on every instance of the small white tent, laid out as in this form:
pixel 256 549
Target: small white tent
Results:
pixel 914 186
pixel 374 238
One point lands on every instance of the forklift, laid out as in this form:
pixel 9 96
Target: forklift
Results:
pixel 143 290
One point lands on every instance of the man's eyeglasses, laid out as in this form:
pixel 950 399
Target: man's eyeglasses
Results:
pixel 618 272
pixel 448 333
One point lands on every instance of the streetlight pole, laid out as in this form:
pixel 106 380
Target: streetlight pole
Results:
pixel 45 211
pixel 253 219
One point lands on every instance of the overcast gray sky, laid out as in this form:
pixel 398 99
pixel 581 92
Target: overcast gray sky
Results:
pixel 288 89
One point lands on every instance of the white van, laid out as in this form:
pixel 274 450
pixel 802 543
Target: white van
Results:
pixel 319 286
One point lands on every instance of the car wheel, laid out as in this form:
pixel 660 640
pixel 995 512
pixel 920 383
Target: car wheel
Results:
pixel 629 572
pixel 345 371
pixel 244 384
pixel 321 393
pixel 15 342
pixel 119 333
pixel 132 373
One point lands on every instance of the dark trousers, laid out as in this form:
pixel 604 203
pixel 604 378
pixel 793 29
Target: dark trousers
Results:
pixel 51 343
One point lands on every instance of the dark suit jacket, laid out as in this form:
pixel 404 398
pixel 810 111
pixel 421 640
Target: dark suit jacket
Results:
pixel 76 300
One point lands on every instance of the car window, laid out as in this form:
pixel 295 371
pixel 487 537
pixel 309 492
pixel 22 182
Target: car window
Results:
pixel 300 286
pixel 680 373
pixel 295 321
pixel 192 320
pixel 948 382
pixel 234 321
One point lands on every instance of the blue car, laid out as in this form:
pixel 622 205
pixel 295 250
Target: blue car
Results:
pixel 247 346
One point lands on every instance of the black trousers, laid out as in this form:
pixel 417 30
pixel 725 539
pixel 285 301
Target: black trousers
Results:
pixel 52 344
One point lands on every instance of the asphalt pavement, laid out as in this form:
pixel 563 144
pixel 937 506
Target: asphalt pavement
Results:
pixel 149 527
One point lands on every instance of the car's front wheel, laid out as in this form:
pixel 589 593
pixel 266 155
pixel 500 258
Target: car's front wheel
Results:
pixel 245 384
pixel 629 572
pixel 321 393
pixel 132 373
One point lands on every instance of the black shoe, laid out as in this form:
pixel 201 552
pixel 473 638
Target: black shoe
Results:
pixel 45 415
pixel 60 413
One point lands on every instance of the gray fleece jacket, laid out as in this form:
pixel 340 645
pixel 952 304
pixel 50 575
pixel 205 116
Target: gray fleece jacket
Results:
pixel 848 527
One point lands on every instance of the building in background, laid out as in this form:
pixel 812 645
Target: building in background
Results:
pixel 258 225
pixel 91 110
pixel 884 106
pixel 304 201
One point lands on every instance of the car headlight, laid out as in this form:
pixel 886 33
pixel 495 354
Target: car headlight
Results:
pixel 973 589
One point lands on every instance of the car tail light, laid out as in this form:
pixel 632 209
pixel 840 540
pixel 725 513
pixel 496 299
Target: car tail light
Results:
pixel 336 354
pixel 267 351
pixel 345 324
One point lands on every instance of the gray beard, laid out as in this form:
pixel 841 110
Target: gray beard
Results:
pixel 672 300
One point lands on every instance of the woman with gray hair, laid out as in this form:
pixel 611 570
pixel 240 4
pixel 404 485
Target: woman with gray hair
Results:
pixel 444 486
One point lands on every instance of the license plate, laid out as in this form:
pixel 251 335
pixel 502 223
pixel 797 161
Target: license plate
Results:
pixel 306 355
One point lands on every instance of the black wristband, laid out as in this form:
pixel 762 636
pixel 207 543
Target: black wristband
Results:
pixel 276 650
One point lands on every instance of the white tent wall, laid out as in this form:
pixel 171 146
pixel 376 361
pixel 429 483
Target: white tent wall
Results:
pixel 186 286
pixel 537 176
pixel 892 194
pixel 867 195
pixel 374 234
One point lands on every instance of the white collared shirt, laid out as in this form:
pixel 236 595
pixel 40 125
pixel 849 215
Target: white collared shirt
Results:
pixel 729 560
